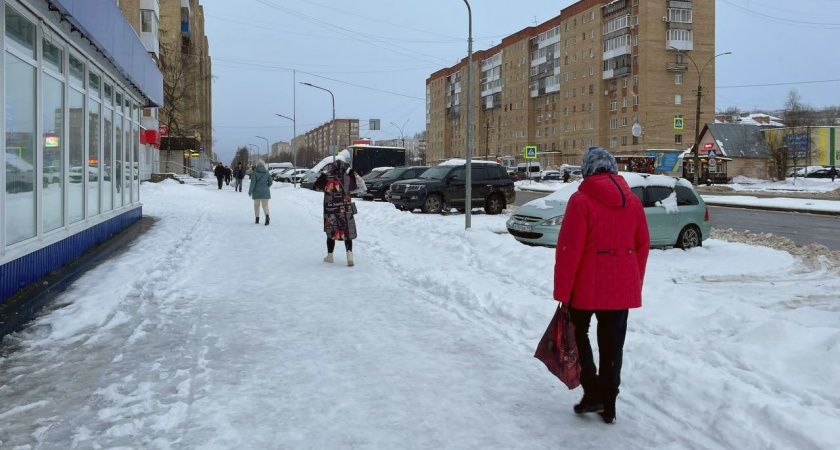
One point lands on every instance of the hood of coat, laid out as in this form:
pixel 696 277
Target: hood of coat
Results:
pixel 261 167
pixel 607 188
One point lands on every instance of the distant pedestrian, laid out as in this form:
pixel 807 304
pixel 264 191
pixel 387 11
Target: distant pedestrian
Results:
pixel 566 175
pixel 336 182
pixel 228 173
pixel 238 175
pixel 833 173
pixel 259 190
pixel 219 172
pixel 600 261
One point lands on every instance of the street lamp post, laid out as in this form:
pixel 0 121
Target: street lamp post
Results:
pixel 334 143
pixel 402 135
pixel 696 148
pixel 468 200
pixel 294 151
pixel 251 160
pixel 266 145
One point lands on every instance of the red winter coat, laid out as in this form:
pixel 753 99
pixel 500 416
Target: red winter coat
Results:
pixel 602 247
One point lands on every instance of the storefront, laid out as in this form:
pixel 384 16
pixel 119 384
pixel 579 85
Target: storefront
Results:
pixel 75 78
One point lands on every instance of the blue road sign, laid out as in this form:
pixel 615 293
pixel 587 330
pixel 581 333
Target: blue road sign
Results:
pixel 678 123
pixel 530 152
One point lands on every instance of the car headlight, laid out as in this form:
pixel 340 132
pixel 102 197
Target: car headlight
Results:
pixel 376 185
pixel 553 222
pixel 414 187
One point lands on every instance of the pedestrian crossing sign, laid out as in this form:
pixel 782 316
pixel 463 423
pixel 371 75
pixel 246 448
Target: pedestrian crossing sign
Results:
pixel 530 152
pixel 678 123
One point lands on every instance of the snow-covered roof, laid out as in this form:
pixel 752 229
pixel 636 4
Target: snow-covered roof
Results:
pixel 458 162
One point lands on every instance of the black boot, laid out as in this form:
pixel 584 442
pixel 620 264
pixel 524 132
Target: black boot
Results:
pixel 267 219
pixel 257 220
pixel 590 403
pixel 608 414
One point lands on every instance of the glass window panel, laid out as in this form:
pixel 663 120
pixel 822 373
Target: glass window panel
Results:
pixel 126 178
pixel 76 147
pixel 94 157
pixel 118 158
pixel 77 71
pixel 52 117
pixel 53 55
pixel 108 157
pixel 94 84
pixel 118 103
pixel 20 30
pixel 146 17
pixel 107 92
pixel 135 161
pixel 20 116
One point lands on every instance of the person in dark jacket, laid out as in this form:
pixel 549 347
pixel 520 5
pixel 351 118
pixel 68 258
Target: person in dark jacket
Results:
pixel 833 173
pixel 228 174
pixel 259 190
pixel 238 175
pixel 219 172
pixel 336 182
pixel 599 268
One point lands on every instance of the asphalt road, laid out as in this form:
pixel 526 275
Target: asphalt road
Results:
pixel 801 228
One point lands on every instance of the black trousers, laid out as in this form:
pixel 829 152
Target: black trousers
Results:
pixel 612 329
pixel 331 245
pixel 220 181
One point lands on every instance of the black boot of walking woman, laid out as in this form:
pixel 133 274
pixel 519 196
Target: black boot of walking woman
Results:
pixel 267 219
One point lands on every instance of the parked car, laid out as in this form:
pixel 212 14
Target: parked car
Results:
pixel 676 214
pixel 492 188
pixel 819 173
pixel 20 175
pixel 292 175
pixel 52 175
pixel 375 173
pixel 530 170
pixel 380 187
pixel 77 174
pixel 803 171
pixel 551 175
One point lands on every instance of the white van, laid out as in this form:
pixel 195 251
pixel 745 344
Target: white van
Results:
pixel 282 165
pixel 530 170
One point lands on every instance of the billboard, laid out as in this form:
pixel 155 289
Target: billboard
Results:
pixel 798 145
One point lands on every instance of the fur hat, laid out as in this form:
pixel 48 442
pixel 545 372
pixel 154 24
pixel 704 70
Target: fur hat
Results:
pixel 597 160
pixel 260 163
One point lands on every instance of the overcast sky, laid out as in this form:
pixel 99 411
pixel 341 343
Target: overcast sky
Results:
pixel 375 55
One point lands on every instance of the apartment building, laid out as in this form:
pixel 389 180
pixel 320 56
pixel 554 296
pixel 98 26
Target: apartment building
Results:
pixel 346 131
pixel 280 147
pixel 583 78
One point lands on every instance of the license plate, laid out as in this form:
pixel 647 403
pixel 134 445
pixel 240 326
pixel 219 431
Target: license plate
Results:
pixel 395 197
pixel 518 227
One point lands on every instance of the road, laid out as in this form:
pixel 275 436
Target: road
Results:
pixel 801 228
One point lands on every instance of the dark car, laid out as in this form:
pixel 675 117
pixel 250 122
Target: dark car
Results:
pixel 821 173
pixel 445 184
pixel 380 187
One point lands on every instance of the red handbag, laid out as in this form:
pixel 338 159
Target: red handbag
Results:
pixel 558 350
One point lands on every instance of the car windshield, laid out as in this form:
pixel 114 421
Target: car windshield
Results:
pixel 436 173
pixel 392 174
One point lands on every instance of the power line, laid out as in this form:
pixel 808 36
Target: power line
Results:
pixel 779 84
pixel 801 23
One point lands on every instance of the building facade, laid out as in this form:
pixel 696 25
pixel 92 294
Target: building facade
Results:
pixel 280 147
pixel 582 78
pixel 76 77
pixel 346 131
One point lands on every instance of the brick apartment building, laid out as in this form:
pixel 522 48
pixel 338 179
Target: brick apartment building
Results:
pixel 582 78
pixel 346 131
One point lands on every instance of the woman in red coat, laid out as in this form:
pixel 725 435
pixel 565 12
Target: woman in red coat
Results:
pixel 601 254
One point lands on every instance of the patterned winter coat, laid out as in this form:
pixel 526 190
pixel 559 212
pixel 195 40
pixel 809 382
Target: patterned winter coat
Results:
pixel 260 183
pixel 339 223
pixel 602 247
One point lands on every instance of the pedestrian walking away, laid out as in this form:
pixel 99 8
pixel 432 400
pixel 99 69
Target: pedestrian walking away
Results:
pixel 833 173
pixel 238 176
pixel 599 268
pixel 260 191
pixel 219 172
pixel 336 182
pixel 228 173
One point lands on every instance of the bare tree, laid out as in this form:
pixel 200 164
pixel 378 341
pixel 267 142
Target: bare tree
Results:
pixel 181 78
pixel 799 117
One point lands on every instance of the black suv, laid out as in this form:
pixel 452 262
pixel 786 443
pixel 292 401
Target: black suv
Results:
pixel 380 187
pixel 445 184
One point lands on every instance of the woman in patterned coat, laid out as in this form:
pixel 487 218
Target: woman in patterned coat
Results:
pixel 336 182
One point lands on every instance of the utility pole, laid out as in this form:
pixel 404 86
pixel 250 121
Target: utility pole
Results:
pixel 468 199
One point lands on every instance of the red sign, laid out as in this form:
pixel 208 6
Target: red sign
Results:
pixel 163 130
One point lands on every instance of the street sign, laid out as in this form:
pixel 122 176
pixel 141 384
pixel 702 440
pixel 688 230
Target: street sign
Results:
pixel 530 152
pixel 712 158
pixel 374 124
pixel 712 163
pixel 201 149
pixel 163 130
pixel 678 123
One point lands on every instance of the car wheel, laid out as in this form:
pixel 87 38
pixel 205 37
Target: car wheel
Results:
pixel 494 204
pixel 462 210
pixel 689 237
pixel 386 196
pixel 433 204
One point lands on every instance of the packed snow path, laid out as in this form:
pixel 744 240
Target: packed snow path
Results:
pixel 214 332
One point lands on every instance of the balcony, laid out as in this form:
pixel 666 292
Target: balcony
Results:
pixel 153 5
pixel 618 51
pixel 151 42
pixel 684 45
pixel 612 73
pixel 185 4
pixel 185 29
pixel 674 67
pixel 682 4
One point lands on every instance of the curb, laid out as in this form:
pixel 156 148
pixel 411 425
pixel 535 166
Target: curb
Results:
pixel 19 309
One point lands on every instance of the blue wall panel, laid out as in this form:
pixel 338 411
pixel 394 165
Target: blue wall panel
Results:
pixel 28 269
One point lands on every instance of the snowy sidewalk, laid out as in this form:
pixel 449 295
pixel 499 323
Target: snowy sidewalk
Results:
pixel 213 332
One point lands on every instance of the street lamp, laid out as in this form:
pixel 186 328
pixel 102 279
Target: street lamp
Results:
pixel 251 160
pixel 294 150
pixel 468 205
pixel 402 135
pixel 266 145
pixel 334 143
pixel 696 148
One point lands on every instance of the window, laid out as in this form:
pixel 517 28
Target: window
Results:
pixel 52 118
pixel 613 123
pixel 21 31
pixel 678 139
pixel 624 82
pixel 678 78
pixel 679 58
pixel 613 105
pixel 685 196
pixel 635 80
pixel 635 41
pixel 678 99
pixel 147 21
pixel 623 102
pixel 613 142
pixel 21 206
pixel 53 56
pixel 656 194
pixel 624 121
pixel 623 140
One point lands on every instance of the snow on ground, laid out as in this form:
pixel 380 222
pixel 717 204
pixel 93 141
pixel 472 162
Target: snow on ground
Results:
pixel 212 332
